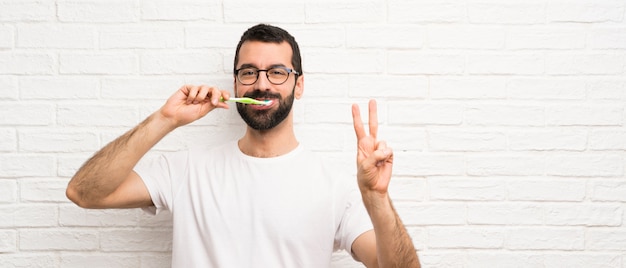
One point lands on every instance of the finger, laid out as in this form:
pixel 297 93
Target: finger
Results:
pixel 358 124
pixel 373 118
pixel 203 91
pixel 216 94
pixel 192 92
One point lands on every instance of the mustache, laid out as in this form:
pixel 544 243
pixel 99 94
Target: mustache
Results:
pixel 258 94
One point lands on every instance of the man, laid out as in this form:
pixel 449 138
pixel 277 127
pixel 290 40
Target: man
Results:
pixel 262 200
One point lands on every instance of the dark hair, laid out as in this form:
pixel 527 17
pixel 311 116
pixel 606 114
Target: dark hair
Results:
pixel 271 34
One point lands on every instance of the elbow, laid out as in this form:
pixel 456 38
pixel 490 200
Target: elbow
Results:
pixel 76 197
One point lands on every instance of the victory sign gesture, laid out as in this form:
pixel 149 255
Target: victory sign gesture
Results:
pixel 374 158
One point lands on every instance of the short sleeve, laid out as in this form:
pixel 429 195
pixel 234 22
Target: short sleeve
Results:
pixel 354 222
pixel 159 175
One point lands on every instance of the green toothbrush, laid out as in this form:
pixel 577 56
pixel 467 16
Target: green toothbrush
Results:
pixel 246 100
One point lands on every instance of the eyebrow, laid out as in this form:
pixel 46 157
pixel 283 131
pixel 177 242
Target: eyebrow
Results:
pixel 248 65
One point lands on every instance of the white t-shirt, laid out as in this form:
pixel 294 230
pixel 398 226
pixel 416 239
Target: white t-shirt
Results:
pixel 233 210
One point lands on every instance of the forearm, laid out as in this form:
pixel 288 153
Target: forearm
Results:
pixel 393 244
pixel 108 168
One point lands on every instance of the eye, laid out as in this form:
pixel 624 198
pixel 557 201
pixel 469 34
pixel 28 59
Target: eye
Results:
pixel 247 72
pixel 278 72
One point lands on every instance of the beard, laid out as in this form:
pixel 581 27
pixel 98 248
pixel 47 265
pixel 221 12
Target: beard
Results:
pixel 265 119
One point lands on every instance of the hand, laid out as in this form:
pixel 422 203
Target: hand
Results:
pixel 374 158
pixel 191 103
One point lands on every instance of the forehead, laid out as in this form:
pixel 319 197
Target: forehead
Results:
pixel 264 54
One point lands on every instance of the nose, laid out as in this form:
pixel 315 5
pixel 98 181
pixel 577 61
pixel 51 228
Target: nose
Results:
pixel 263 83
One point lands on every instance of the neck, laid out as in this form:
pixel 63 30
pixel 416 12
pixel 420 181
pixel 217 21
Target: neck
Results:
pixel 273 142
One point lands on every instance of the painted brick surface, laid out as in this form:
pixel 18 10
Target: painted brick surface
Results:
pixel 507 118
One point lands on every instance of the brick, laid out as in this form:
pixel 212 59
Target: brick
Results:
pixel 326 85
pixel 585 115
pixel 79 260
pixel 407 189
pixel 544 189
pixel 29 215
pixel 511 12
pixel 404 11
pixel 431 213
pixel 188 10
pixel 403 139
pixel 319 36
pixel 282 11
pixel 501 64
pixel 607 89
pixel 504 115
pixel 214 36
pixel 320 138
pixel 413 164
pixel 154 260
pixel 344 12
pixel 31 260
pixel 585 11
pixel 608 38
pixel 8 191
pixel 26 114
pixel 56 36
pixel 539 238
pixel 8 241
pixel 124 240
pixel 58 87
pixel 608 190
pixel 161 37
pixel 459 188
pixel 585 165
pixel 606 239
pixel 198 62
pixel 511 165
pixel 52 239
pixel 425 113
pixel 57 140
pixel 98 63
pixel 336 113
pixel 73 216
pixel 578 260
pixel 98 11
pixel 7 34
pixel 408 62
pixel 548 139
pixel 27 10
pixel 547 37
pixel 463 237
pixel 445 87
pixel 463 140
pixel 506 214
pixel 26 165
pixel 502 259
pixel 584 215
pixel 43 190
pixel 96 115
pixel 373 36
pixel 362 86
pixel 8 88
pixel 8 140
pixel 607 139
pixel 546 89
pixel 143 88
pixel 344 61
pixel 584 64
pixel 23 63
pixel 466 37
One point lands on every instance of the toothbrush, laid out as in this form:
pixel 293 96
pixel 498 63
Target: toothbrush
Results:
pixel 248 101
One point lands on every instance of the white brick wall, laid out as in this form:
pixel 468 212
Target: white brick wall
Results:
pixel 508 118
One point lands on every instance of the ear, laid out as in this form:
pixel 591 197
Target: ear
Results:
pixel 235 86
pixel 299 90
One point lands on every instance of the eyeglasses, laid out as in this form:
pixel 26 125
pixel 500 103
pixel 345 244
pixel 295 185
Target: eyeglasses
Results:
pixel 277 75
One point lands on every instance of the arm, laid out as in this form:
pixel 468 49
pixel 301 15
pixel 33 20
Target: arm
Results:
pixel 107 179
pixel 389 245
